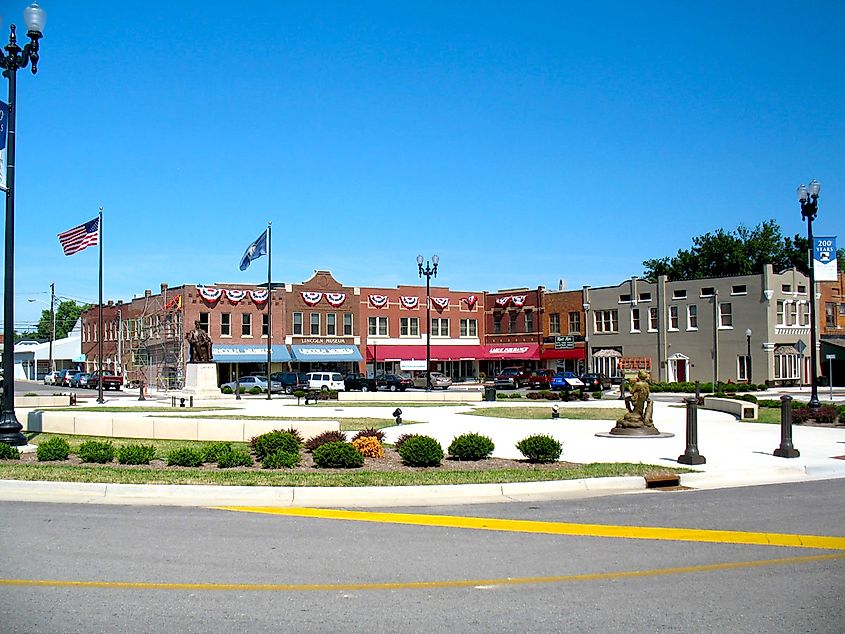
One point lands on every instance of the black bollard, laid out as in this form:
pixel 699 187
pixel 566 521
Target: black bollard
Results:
pixel 555 411
pixel 238 390
pixel 141 392
pixel 691 455
pixel 397 413
pixel 786 450
pixel 191 401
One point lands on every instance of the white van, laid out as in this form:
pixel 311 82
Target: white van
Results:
pixel 325 381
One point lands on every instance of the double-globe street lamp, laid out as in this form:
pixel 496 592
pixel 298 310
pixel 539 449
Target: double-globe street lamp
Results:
pixel 808 196
pixel 429 270
pixel 13 59
pixel 748 357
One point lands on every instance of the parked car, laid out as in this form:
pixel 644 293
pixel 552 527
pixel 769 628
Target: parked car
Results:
pixel 596 381
pixel 540 379
pixel 290 382
pixel 359 381
pixel 438 380
pixel 109 380
pixel 274 385
pixel 566 381
pixel 80 379
pixel 50 377
pixel 513 377
pixel 247 383
pixel 64 376
pixel 325 381
pixel 394 382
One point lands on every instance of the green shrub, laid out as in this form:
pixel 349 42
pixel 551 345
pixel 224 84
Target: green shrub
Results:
pixel 321 439
pixel 212 451
pixel 540 448
pixel 597 395
pixel 184 457
pixel 96 451
pixel 273 441
pixel 471 447
pixel 421 451
pixel 234 458
pixel 398 443
pixel 7 452
pixel 369 431
pixel 748 398
pixel 293 431
pixel 825 415
pixel 281 459
pixel 226 389
pixel 338 455
pixel 54 449
pixel 255 390
pixel 136 454
pixel 515 395
pixel 763 402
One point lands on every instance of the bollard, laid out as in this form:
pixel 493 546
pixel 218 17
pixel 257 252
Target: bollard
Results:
pixel 182 402
pixel 172 401
pixel 397 413
pixel 555 411
pixel 691 455
pixel 786 450
pixel 238 390
pixel 191 401
pixel 141 392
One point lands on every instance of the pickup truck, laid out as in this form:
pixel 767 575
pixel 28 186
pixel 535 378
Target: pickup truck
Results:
pixel 512 377
pixel 110 381
pixel 358 381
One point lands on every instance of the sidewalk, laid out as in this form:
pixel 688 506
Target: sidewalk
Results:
pixel 737 454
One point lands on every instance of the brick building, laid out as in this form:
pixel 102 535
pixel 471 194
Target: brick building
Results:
pixel 563 318
pixel 832 329
pixel 513 322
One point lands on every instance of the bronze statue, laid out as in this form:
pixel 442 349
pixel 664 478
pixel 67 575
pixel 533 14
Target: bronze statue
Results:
pixel 637 421
pixel 200 344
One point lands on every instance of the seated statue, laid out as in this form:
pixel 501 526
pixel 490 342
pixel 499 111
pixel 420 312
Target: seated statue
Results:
pixel 200 345
pixel 639 406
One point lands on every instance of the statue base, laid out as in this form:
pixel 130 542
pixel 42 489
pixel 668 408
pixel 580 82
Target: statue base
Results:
pixel 634 432
pixel 201 381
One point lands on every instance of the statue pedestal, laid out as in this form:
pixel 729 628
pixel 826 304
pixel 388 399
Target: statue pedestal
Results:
pixel 201 381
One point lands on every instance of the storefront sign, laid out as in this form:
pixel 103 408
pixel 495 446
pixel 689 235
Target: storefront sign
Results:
pixel 412 365
pixel 323 341
pixel 565 342
pixel 509 350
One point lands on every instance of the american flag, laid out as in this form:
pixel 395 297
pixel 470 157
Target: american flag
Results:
pixel 79 238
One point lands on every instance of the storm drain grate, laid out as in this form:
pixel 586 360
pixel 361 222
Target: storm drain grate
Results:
pixel 662 481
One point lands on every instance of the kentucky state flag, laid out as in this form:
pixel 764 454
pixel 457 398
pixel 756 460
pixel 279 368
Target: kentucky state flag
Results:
pixel 254 251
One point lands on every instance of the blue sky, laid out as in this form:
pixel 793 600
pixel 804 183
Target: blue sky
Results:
pixel 522 142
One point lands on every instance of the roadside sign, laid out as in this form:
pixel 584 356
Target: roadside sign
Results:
pixel 830 357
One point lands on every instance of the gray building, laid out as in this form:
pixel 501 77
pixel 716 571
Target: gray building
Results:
pixel 741 328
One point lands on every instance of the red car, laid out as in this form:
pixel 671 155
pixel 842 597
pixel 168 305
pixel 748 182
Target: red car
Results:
pixel 540 379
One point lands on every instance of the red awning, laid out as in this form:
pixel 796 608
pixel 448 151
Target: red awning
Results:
pixel 438 353
pixel 512 351
pixel 551 353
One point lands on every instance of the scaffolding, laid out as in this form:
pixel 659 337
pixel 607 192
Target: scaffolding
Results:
pixel 156 343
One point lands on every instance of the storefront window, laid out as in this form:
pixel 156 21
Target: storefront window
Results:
pixel 554 324
pixel 315 323
pixel 297 323
pixel 331 324
pixel 347 324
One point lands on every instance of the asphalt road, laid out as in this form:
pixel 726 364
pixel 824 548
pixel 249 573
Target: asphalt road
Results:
pixel 329 575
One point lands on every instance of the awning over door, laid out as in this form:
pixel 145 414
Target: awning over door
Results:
pixel 221 353
pixel 574 353
pixel 326 353
pixel 512 351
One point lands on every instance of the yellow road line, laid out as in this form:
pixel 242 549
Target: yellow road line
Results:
pixel 416 585
pixel 561 528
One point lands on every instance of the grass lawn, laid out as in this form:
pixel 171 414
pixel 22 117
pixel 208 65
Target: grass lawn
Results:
pixel 767 415
pixel 346 424
pixel 13 470
pixel 137 410
pixel 543 413
pixel 383 404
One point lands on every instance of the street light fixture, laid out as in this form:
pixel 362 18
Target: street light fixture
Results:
pixel 587 335
pixel 13 59
pixel 50 364
pixel 808 197
pixel 428 271
pixel 748 362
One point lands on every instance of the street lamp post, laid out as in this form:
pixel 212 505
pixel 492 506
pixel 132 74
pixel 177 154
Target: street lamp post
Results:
pixel 808 197
pixel 428 271
pixel 587 335
pixel 748 366
pixel 13 59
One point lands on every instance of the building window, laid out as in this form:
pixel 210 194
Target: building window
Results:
pixel 742 365
pixel 624 299
pixel 692 317
pixel 725 315
pixel 841 310
pixel 804 313
pixel 830 315
pixel 606 321
pixel 574 323
pixel 791 313
pixel 787 366
pixel 802 289
pixel 377 326
pixel 297 323
pixel 679 294
pixel 347 324
pixel 652 319
pixel 512 325
pixel 708 291
pixel 226 324
pixel 409 326
pixel 635 320
pixel 204 321
pixel 440 327
pixel 315 323
pixel 554 323
pixel 331 324
pixel 739 289
pixel 265 325
pixel 780 313
pixel 645 297
pixel 497 323
pixel 529 321
pixel 469 328
pixel 786 288
pixel 246 325
pixel 673 318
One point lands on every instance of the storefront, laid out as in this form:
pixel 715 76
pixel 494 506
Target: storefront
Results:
pixel 240 360
pixel 496 357
pixel 460 363
pixel 832 360
pixel 343 359
pixel 572 360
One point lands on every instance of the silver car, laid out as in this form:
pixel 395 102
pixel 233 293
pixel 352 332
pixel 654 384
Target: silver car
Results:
pixel 249 382
pixel 438 380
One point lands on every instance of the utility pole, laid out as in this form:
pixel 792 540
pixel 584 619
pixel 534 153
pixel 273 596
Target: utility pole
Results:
pixel 52 323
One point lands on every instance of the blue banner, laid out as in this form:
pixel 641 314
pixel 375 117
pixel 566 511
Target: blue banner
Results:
pixel 824 258
pixel 4 119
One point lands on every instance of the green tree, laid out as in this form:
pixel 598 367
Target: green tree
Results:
pixel 743 251
pixel 840 257
pixel 67 313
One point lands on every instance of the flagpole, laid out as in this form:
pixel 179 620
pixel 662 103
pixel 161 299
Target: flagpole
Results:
pixel 269 306
pixel 100 316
